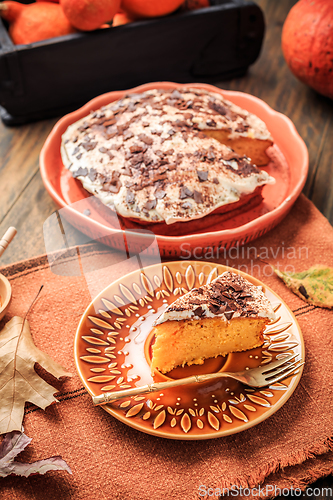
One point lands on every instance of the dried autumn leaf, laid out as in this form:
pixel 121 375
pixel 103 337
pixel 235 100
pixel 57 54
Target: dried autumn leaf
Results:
pixel 15 442
pixel 315 285
pixel 18 380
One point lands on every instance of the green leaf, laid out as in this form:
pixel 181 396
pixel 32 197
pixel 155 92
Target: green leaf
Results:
pixel 314 286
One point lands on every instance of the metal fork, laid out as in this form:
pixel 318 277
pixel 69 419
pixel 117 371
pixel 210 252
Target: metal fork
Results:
pixel 256 377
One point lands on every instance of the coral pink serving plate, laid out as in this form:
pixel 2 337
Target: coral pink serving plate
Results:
pixel 289 166
pixel 112 351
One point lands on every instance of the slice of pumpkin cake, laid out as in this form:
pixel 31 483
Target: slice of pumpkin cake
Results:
pixel 227 315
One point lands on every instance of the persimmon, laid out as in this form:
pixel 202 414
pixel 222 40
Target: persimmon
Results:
pixel 33 22
pixel 88 15
pixel 150 8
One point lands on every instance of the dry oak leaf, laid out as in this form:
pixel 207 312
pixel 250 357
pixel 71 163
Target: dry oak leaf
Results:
pixel 315 285
pixel 18 380
pixel 15 442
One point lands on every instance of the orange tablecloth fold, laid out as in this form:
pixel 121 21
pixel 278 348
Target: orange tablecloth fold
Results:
pixel 110 460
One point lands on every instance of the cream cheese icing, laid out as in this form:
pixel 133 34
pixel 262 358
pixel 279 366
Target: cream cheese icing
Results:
pixel 229 295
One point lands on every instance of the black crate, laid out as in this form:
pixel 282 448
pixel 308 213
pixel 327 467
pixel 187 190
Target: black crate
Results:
pixel 53 77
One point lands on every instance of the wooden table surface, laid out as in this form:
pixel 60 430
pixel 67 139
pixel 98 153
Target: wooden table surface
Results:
pixel 25 203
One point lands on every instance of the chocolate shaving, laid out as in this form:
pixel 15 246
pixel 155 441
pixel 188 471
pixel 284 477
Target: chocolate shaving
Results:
pixel 202 175
pixel 83 127
pixel 136 160
pixel 112 185
pixel 128 135
pixel 81 171
pixel 159 194
pixel 159 153
pixel 146 139
pixel 199 312
pixel 109 122
pixel 219 108
pixel 116 147
pixel 150 204
pixel 110 155
pixel 110 135
pixel 210 155
pixel 136 148
pixel 185 192
pixel 197 197
pixel 92 174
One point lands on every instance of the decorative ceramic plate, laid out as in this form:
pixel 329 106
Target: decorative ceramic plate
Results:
pixel 113 352
pixel 289 166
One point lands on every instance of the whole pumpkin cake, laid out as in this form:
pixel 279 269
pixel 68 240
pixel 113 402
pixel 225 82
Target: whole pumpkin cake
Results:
pixel 165 157
pixel 227 315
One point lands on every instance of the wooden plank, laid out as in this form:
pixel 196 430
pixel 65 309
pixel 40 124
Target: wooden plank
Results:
pixel 31 209
pixel 320 186
pixel 19 153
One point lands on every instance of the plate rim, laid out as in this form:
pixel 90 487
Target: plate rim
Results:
pixel 190 437
pixel 272 217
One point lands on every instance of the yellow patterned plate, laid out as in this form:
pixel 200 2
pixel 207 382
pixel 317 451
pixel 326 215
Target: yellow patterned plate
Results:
pixel 113 352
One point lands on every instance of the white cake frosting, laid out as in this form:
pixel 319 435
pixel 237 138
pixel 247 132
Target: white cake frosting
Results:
pixel 228 296
pixel 145 157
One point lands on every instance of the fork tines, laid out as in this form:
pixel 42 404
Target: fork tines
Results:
pixel 280 362
pixel 284 371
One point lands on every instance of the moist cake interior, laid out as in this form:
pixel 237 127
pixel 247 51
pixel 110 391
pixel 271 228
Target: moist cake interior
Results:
pixel 191 342
pixel 227 315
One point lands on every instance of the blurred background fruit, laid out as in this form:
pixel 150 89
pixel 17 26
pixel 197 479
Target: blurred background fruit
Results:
pixel 149 8
pixel 88 15
pixel 307 43
pixel 34 22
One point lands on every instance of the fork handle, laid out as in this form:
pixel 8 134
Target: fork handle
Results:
pixel 108 397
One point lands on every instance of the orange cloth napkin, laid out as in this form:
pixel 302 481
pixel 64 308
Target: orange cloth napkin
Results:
pixel 110 460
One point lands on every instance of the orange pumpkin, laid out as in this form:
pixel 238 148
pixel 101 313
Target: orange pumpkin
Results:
pixel 307 44
pixel 33 22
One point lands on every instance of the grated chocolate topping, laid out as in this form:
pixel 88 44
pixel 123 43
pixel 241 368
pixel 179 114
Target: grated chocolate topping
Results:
pixel 176 172
pixel 229 295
